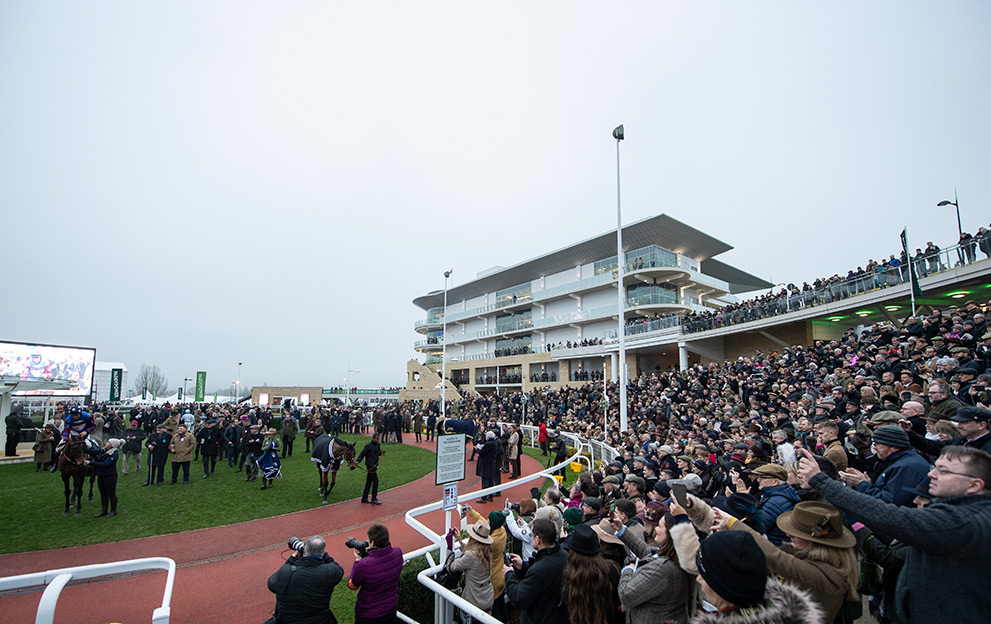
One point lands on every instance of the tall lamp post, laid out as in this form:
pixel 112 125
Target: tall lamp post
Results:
pixel 443 351
pixel 347 383
pixel 618 134
pixel 956 204
pixel 238 388
pixel 184 380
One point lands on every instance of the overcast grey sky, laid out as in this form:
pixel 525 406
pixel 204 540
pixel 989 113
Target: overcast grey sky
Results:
pixel 193 184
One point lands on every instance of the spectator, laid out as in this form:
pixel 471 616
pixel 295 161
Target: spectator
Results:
pixel 733 577
pixel 105 469
pixel 947 540
pixel 901 467
pixel 821 562
pixel 209 439
pixel 158 453
pixel 181 446
pixel 590 581
pixel 376 578
pixel 534 587
pixel 776 497
pixel 303 586
pixel 132 447
pixel 476 563
pixel 656 589
pixel 44 443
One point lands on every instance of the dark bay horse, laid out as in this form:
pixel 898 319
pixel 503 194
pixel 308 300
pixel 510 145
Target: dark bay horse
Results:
pixel 328 453
pixel 70 464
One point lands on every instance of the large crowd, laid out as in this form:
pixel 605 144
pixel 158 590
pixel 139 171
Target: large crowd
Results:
pixel 808 478
pixel 783 487
pixel 872 275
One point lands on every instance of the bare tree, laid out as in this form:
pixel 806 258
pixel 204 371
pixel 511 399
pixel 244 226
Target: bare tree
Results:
pixel 153 378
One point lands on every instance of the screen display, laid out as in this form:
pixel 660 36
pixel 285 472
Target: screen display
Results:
pixel 49 362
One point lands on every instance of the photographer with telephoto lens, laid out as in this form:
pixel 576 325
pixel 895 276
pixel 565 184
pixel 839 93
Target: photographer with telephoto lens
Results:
pixel 304 584
pixel 375 574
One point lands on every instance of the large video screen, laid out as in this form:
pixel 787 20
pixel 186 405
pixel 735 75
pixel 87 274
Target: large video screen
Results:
pixel 51 362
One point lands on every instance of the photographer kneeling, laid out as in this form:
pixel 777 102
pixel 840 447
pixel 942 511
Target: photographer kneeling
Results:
pixel 304 584
pixel 375 575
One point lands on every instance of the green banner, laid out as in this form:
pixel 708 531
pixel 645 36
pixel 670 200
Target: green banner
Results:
pixel 200 386
pixel 116 377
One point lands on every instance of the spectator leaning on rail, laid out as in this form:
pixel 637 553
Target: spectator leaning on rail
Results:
pixel 376 577
pixel 948 541
pixel 304 585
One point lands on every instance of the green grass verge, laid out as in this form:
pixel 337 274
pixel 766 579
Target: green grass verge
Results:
pixel 570 476
pixel 33 502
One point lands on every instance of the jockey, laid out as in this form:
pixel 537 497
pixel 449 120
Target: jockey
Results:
pixel 78 425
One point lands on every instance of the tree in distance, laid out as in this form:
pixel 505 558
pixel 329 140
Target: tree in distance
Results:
pixel 152 378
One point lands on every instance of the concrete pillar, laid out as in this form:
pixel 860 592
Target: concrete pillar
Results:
pixel 682 356
pixel 614 366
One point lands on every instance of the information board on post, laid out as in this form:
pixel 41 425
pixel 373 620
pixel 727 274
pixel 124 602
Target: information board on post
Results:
pixel 450 459
pixel 450 496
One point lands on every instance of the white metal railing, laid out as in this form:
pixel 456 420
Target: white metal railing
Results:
pixel 446 597
pixel 56 580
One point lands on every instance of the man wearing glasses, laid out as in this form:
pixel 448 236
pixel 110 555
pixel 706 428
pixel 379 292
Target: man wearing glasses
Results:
pixel 973 423
pixel 942 405
pixel 947 541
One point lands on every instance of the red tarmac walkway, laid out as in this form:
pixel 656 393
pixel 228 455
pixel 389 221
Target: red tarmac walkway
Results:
pixel 222 571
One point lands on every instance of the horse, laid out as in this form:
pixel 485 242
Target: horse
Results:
pixel 329 452
pixel 70 464
pixel 467 427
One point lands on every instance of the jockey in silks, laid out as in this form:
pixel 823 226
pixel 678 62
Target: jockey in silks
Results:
pixel 78 425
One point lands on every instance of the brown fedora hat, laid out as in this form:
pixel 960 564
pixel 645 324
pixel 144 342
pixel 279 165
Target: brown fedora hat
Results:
pixel 817 522
pixel 480 532
pixel 606 533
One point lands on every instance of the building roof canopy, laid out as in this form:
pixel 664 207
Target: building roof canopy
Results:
pixel 661 230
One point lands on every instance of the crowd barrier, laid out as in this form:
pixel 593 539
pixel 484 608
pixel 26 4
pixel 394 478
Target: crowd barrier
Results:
pixel 586 453
pixel 56 580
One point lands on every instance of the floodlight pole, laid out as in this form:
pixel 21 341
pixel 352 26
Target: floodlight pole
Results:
pixel 443 352
pixel 619 135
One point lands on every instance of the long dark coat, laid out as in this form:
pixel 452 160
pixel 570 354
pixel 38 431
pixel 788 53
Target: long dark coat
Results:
pixel 487 467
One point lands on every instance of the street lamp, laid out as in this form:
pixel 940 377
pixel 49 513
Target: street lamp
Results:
pixel 956 204
pixel 619 135
pixel 443 351
pixel 347 383
pixel 238 388
pixel 184 380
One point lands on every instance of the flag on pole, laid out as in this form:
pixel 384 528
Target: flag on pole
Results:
pixel 913 275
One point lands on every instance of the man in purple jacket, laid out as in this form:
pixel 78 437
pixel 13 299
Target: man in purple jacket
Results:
pixel 376 577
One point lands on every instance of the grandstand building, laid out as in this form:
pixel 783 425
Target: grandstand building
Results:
pixel 552 320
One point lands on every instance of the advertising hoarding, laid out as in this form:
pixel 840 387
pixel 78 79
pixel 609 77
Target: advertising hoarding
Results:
pixel 201 387
pixel 49 362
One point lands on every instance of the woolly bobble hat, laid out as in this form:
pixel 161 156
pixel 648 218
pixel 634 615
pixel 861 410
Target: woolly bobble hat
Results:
pixel 497 519
pixel 572 516
pixel 734 567
pixel 891 435
pixel 115 443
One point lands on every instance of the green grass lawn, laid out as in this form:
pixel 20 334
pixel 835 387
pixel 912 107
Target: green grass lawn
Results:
pixel 33 502
pixel 570 476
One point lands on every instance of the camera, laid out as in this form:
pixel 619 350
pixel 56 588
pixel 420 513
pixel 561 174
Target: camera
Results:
pixel 361 547
pixel 296 544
